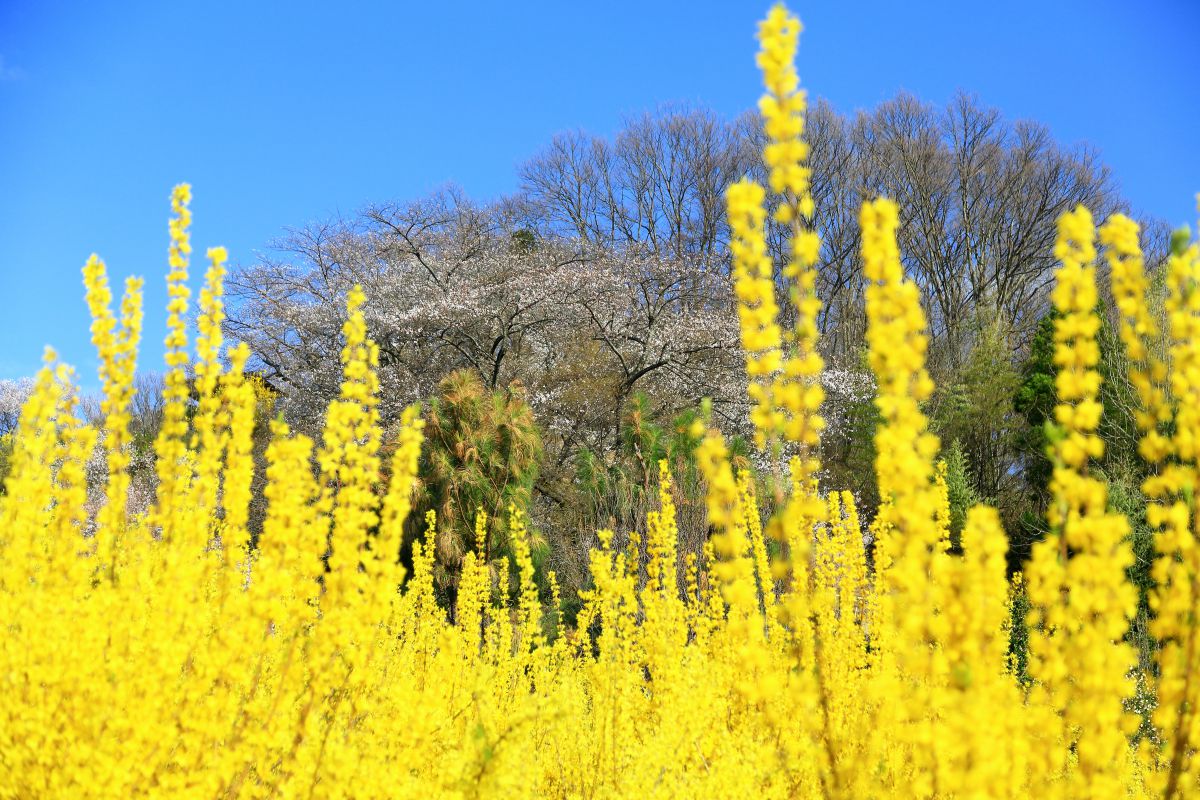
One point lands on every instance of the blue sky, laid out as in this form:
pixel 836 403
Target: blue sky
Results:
pixel 282 113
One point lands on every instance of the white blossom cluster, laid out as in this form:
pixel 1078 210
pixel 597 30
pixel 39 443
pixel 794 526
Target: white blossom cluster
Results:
pixel 142 485
pixel 451 286
pixel 13 394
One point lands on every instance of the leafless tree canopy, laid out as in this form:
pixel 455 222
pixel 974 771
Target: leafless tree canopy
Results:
pixel 607 271
pixel 980 196
pixel 659 184
pixel 453 285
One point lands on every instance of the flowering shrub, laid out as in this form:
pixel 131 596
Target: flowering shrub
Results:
pixel 159 649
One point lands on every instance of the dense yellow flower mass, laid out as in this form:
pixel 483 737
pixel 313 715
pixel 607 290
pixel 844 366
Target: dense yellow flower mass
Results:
pixel 190 652
pixel 1077 583
pixel 1170 428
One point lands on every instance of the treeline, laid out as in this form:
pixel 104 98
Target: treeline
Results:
pixel 567 334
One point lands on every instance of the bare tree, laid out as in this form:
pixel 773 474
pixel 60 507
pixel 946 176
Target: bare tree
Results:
pixel 979 198
pixel 660 184
pixel 451 285
pixel 13 394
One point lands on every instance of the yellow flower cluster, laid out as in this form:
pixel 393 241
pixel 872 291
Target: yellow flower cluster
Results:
pixel 180 656
pixel 782 107
pixel 784 367
pixel 905 449
pixel 786 406
pixel 757 308
pixel 1077 582
pixel 117 349
pixel 942 510
pixel 1166 396
pixel 1175 416
pixel 1139 333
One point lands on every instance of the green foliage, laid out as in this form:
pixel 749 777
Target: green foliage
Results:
pixel 1035 399
pixel 482 453
pixel 1180 239
pixel 1118 423
pixel 6 451
pixel 648 441
pixel 1018 633
pixel 976 409
pixel 960 488
pixel 524 241
pixel 617 491
pixel 1125 496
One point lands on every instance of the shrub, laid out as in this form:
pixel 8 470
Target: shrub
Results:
pixel 481 457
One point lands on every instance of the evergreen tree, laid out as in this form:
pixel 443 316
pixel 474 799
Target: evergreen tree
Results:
pixel 960 488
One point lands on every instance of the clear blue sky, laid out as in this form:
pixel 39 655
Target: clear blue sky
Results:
pixel 280 113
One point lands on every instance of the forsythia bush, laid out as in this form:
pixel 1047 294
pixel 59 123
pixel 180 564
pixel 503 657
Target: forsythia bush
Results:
pixel 172 654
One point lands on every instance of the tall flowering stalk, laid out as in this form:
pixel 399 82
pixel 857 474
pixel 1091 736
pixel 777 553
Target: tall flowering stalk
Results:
pixel 1077 583
pixel 171 446
pixel 210 436
pixel 797 392
pixel 905 450
pixel 1171 423
pixel 784 367
pixel 757 308
pixel 349 458
pixel 116 345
